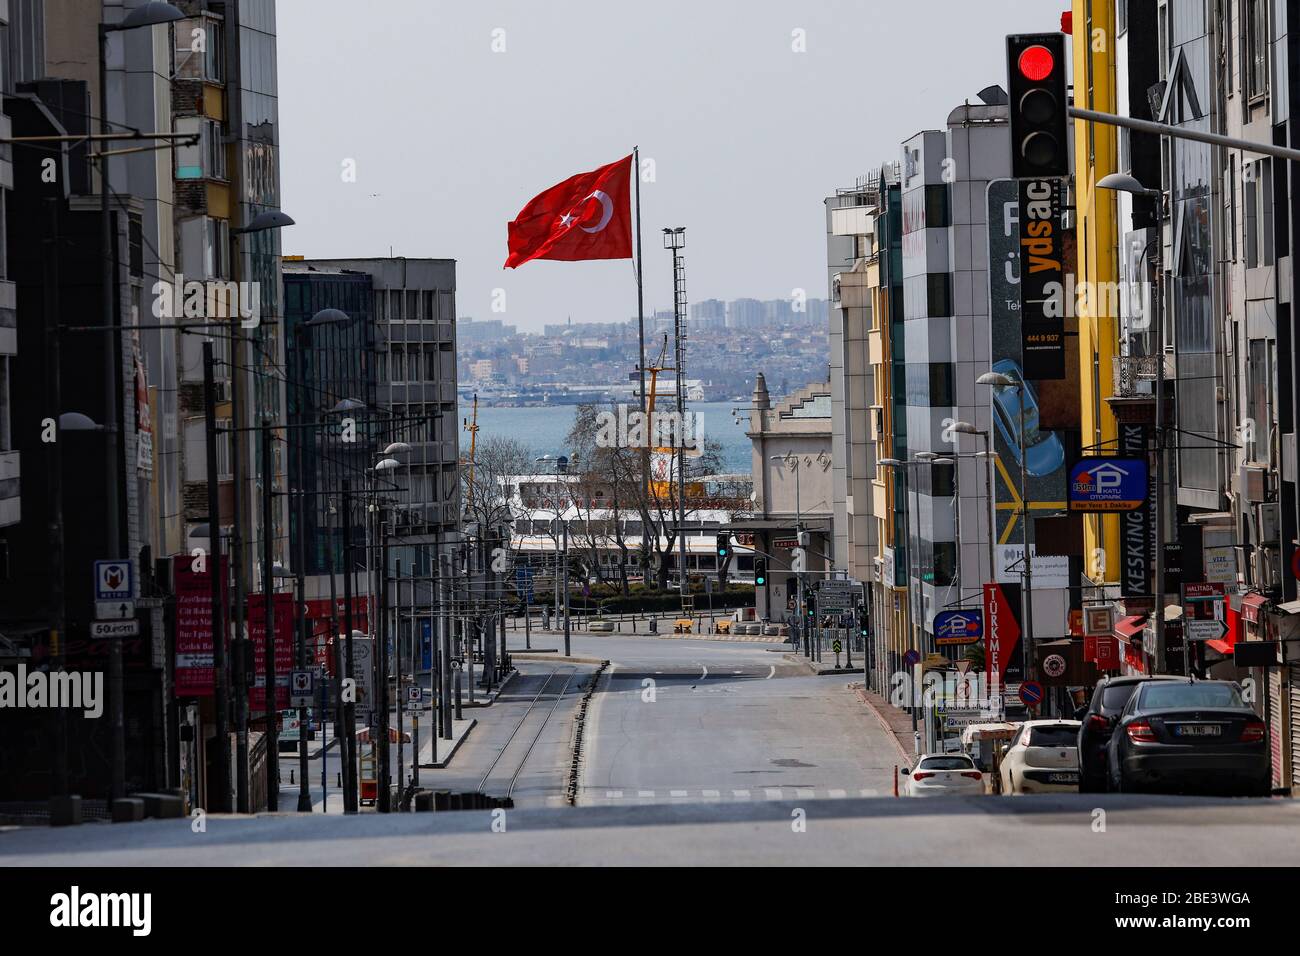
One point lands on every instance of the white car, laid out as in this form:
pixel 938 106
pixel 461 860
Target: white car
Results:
pixel 937 775
pixel 1043 758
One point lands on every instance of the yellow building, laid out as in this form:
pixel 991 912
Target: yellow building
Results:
pixel 1095 156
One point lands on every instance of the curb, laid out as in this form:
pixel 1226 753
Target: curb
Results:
pixel 859 692
pixel 442 761
pixel 541 656
pixel 580 723
pixel 814 667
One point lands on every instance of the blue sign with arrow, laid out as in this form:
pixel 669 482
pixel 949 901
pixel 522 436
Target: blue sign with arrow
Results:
pixel 958 627
pixel 1104 484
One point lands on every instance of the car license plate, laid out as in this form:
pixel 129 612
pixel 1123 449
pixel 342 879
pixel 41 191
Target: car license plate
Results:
pixel 1198 730
pixel 1062 778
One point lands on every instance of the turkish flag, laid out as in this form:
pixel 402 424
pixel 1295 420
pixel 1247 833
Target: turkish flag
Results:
pixel 588 216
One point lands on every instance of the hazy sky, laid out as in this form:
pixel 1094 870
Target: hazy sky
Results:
pixel 450 138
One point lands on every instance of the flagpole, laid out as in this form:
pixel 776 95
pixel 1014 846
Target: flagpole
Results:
pixel 640 328
pixel 640 281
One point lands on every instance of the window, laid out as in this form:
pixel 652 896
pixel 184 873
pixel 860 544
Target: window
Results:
pixel 1256 65
pixel 398 362
pixel 198 50
pixel 938 293
pixel 395 312
pixel 413 363
pixel 1257 203
pixel 412 306
pixel 430 363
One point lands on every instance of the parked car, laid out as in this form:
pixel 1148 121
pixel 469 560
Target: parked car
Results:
pixel 1044 453
pixel 1043 758
pixel 1188 735
pixel 937 775
pixel 1096 725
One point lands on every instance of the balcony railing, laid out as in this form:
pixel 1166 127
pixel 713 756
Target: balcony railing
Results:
pixel 1130 371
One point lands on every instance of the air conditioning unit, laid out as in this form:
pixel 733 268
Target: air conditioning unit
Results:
pixel 1268 522
pixel 1265 568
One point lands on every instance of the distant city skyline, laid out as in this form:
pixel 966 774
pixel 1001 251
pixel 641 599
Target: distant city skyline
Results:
pixel 738 112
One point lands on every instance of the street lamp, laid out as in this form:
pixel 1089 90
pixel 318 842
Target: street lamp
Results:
pixel 561 467
pixel 999 381
pixel 148 15
pixel 1121 182
pixel 966 428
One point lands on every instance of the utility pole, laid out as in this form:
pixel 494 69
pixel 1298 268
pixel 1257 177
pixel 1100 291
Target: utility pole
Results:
pixel 348 701
pixel 300 612
pixel 54 484
pixel 401 702
pixel 269 702
pixel 566 589
pixel 220 696
pixel 444 639
pixel 675 241
pixel 385 783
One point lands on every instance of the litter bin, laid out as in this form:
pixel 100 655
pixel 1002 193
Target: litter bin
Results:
pixel 654 626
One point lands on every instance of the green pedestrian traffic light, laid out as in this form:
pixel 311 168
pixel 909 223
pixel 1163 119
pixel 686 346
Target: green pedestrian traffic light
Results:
pixel 724 545
pixel 760 572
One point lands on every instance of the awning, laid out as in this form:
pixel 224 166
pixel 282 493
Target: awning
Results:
pixel 1252 608
pixel 1223 647
pixel 1127 628
pixel 1290 607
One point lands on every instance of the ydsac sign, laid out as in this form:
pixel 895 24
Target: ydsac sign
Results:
pixel 1102 484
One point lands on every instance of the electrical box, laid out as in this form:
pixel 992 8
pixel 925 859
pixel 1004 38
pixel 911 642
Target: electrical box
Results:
pixel 1254 482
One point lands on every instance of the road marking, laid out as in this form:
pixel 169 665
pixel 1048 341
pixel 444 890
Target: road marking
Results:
pixel 704 672
pixel 804 794
pixel 772 793
pixel 676 793
pixel 740 794
pixel 836 794
pixel 771 673
pixel 867 792
pixel 646 793
pixel 710 793
pixel 613 794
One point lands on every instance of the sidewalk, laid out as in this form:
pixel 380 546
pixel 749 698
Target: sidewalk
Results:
pixel 825 666
pixel 897 723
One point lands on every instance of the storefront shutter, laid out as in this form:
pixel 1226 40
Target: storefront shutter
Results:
pixel 1276 731
pixel 1294 727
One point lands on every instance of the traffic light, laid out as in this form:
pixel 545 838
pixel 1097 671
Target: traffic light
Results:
pixel 864 625
pixel 760 572
pixel 811 600
pixel 724 546
pixel 1036 85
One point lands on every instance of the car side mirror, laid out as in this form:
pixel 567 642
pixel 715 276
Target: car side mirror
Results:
pixel 905 771
pixel 1005 749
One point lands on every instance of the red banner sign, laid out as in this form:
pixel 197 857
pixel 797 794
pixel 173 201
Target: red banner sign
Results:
pixel 284 659
pixel 1001 634
pixel 194 670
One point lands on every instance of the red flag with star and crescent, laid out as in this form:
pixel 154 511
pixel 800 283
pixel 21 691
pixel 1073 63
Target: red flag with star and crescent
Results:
pixel 588 216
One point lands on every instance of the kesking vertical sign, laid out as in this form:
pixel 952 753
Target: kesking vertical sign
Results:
pixel 1042 279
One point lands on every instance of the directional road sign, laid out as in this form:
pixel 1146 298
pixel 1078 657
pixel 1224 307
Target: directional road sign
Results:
pixel 113 581
pixel 1211 630
pixel 114 628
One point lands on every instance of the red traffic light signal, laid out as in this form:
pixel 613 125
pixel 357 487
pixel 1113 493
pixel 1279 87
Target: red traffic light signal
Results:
pixel 1038 105
pixel 1036 62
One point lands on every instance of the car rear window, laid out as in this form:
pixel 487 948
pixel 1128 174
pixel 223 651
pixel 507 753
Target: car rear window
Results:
pixel 1060 736
pixel 946 763
pixel 1160 695
pixel 1114 697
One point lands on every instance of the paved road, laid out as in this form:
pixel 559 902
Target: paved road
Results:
pixel 1043 830
pixel 739 759
pixel 730 722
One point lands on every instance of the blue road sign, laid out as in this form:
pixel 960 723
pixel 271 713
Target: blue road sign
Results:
pixel 426 644
pixel 958 627
pixel 113 581
pixel 1104 483
pixel 1031 693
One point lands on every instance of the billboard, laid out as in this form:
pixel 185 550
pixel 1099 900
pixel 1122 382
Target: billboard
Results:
pixel 958 627
pixel 1105 484
pixel 255 619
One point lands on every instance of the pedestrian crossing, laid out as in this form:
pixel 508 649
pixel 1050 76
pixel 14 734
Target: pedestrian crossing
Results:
pixel 595 796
